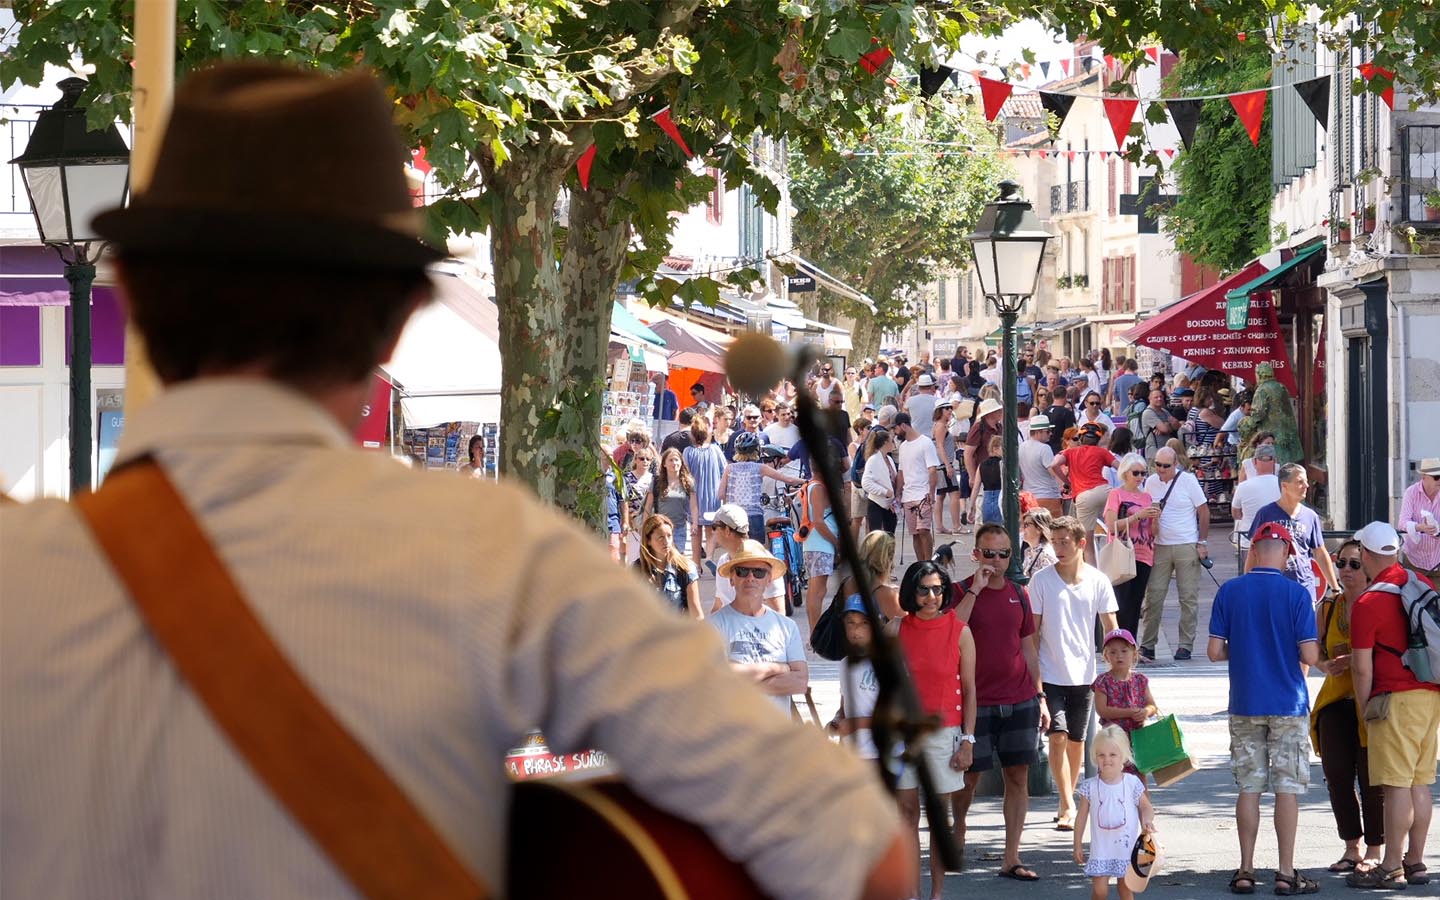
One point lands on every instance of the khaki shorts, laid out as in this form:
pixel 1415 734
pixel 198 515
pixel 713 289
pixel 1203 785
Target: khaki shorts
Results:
pixel 920 515
pixel 857 502
pixel 1270 753
pixel 939 746
pixel 1403 744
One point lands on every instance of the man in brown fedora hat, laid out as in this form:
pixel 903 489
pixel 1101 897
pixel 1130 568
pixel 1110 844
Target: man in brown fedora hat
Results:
pixel 270 267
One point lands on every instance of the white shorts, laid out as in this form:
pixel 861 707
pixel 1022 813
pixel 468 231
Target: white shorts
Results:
pixel 939 747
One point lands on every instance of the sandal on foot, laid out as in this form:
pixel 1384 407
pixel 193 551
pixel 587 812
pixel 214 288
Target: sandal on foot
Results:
pixel 1416 873
pixel 1344 864
pixel 1247 877
pixel 1289 885
pixel 1019 872
pixel 1378 877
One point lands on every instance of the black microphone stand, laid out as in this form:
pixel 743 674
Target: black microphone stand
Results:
pixel 897 716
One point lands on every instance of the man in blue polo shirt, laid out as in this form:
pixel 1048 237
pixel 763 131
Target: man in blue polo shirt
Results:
pixel 1264 624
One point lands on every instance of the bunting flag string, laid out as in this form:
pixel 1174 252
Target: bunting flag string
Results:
pixel 1121 112
pixel 1186 116
pixel 994 94
pixel 872 61
pixel 1250 107
pixel 1370 71
pixel 1153 53
pixel 1059 104
pixel 667 125
pixel 1316 95
pixel 1065 67
pixel 1045 69
pixel 582 166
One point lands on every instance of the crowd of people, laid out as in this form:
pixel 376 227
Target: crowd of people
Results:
pixel 1014 671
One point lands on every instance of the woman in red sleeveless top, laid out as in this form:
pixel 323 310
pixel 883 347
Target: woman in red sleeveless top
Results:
pixel 940 653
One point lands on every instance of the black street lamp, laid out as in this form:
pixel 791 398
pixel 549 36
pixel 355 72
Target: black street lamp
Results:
pixel 73 174
pixel 1009 246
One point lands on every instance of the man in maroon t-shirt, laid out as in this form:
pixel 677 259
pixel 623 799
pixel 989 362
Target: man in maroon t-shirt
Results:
pixel 1010 705
pixel 1401 712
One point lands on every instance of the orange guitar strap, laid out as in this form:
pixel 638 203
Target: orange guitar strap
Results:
pixel 331 785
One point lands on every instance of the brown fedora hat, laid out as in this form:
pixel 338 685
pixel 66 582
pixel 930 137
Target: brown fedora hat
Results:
pixel 264 162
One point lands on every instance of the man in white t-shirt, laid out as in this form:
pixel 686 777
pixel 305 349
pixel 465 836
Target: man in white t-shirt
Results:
pixel 1065 599
pixel 1184 524
pixel 919 472
pixel 1036 456
pixel 762 645
pixel 783 432
pixel 1255 492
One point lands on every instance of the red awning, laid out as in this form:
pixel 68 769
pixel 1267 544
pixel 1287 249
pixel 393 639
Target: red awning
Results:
pixel 1193 329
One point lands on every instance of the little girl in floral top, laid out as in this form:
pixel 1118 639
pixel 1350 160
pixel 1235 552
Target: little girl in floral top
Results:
pixel 1116 806
pixel 1122 695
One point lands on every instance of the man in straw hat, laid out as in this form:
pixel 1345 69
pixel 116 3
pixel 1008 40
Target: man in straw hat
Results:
pixel 1420 520
pixel 270 266
pixel 763 645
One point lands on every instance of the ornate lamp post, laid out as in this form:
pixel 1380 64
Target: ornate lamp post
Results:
pixel 71 174
pixel 1009 246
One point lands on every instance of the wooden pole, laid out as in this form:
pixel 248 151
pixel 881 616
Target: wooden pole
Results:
pixel 153 91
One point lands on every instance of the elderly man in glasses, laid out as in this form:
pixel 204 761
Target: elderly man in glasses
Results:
pixel 1009 700
pixel 1180 545
pixel 762 644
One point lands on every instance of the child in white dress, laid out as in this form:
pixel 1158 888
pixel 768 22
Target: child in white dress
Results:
pixel 1117 809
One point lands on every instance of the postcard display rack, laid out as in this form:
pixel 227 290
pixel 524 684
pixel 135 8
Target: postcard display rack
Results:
pixel 445 446
pixel 631 396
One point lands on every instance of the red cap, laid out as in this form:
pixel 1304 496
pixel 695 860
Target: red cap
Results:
pixel 1274 531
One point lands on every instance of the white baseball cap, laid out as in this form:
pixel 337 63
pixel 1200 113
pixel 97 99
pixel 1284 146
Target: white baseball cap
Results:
pixel 1379 538
pixel 732 516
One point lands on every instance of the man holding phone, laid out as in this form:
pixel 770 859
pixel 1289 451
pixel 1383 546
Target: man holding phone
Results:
pixel 1010 702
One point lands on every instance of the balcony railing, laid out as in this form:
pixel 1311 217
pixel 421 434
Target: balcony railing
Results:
pixel 1069 198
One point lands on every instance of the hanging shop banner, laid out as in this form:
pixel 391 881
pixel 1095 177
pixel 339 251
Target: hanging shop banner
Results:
pixel 1196 329
pixel 1237 313
pixel 800 284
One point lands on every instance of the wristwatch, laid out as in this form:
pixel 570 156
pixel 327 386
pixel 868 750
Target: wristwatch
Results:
pixel 966 738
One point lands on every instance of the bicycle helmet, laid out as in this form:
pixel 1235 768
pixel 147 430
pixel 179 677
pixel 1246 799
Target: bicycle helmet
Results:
pixel 746 440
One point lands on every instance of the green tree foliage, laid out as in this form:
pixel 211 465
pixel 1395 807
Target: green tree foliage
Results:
pixel 1222 218
pixel 505 95
pixel 889 217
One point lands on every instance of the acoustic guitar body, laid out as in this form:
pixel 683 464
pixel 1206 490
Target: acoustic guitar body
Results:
pixel 597 839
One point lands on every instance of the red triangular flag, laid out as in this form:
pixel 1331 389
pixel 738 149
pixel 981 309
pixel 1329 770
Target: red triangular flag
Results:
pixel 1170 152
pixel 1250 107
pixel 1109 62
pixel 418 160
pixel 872 61
pixel 667 125
pixel 1121 112
pixel 1070 155
pixel 1065 64
pixel 1369 71
pixel 582 165
pixel 1153 53
pixel 994 93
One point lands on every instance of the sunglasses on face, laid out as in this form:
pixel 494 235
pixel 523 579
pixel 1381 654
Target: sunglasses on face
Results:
pixel 995 554
pixel 1138 473
pixel 752 418
pixel 1347 564
pixel 933 590
pixel 1160 465
pixel 751 571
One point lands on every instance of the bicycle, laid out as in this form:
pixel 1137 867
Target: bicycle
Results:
pixel 780 530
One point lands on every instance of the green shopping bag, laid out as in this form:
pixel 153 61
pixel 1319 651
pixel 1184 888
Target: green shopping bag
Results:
pixel 1158 745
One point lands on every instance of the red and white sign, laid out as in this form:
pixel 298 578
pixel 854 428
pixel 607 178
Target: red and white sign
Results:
pixel 1194 330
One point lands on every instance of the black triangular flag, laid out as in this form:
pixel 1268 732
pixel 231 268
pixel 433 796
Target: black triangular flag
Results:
pixel 1045 69
pixel 932 79
pixel 1059 104
pixel 1186 115
pixel 1316 94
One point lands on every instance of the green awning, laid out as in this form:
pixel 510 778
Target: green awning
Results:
pixel 1275 274
pixel 993 338
pixel 624 321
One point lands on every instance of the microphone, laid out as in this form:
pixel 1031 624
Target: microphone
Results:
pixel 756 362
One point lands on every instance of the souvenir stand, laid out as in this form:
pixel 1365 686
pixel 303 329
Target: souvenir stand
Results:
pixel 631 396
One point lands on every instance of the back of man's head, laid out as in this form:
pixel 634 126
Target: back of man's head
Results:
pixel 687 416
pixel 304 264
